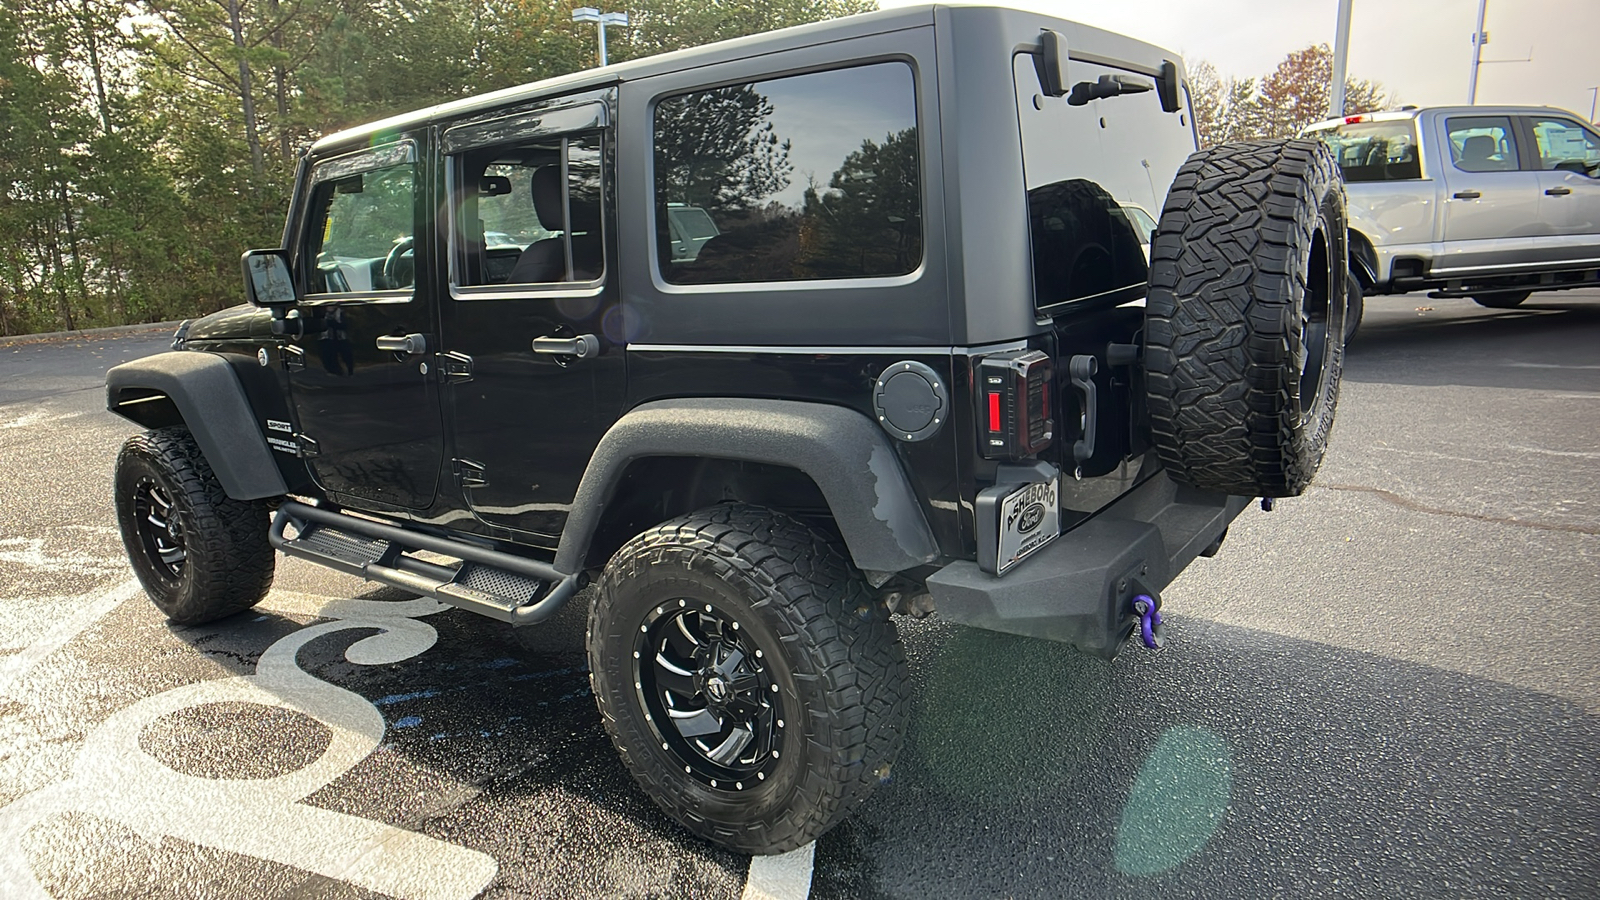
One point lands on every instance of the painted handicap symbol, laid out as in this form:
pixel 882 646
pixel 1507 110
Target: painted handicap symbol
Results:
pixel 114 778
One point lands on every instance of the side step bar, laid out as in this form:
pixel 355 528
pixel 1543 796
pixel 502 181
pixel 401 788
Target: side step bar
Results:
pixel 489 582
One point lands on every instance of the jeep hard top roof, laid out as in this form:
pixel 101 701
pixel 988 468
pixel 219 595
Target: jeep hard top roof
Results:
pixel 1108 47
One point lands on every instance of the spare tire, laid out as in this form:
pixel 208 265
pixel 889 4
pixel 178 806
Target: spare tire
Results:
pixel 1245 318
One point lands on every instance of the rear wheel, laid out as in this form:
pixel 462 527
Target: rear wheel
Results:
pixel 751 684
pixel 1245 318
pixel 1502 301
pixel 199 553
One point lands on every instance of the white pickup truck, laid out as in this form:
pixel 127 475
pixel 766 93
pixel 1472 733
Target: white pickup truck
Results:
pixel 1488 202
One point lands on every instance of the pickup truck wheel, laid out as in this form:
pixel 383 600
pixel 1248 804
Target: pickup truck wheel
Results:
pixel 1502 301
pixel 749 681
pixel 1354 307
pixel 1245 319
pixel 199 553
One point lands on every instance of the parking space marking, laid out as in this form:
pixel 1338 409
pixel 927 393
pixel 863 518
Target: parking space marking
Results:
pixel 77 616
pixel 114 778
pixel 786 876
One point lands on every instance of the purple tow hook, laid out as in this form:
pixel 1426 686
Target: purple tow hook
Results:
pixel 1150 630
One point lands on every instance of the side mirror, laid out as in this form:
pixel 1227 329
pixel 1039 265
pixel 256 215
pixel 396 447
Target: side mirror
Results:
pixel 1051 63
pixel 266 279
pixel 1168 86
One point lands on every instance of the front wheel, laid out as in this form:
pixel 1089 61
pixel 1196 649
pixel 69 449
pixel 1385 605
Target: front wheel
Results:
pixel 751 684
pixel 199 553
pixel 1355 306
pixel 1502 301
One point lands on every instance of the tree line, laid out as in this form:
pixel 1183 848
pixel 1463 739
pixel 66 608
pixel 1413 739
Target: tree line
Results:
pixel 1278 104
pixel 145 143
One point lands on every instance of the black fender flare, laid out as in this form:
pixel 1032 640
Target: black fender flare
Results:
pixel 848 457
pixel 211 403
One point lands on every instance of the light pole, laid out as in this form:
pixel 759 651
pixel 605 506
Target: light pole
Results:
pixel 1478 40
pixel 590 14
pixel 1341 55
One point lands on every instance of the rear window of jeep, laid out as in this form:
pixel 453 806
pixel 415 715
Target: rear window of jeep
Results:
pixel 804 178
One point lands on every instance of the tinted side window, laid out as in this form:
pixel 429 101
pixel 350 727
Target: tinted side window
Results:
pixel 1374 151
pixel 1482 143
pixel 1564 144
pixel 529 212
pixel 803 178
pixel 362 224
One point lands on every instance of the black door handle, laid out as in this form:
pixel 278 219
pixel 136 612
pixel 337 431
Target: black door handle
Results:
pixel 583 346
pixel 1559 191
pixel 1467 195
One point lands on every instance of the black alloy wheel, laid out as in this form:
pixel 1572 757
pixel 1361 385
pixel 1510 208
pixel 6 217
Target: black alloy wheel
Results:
pixel 199 553
pixel 752 685
pixel 160 528
pixel 707 692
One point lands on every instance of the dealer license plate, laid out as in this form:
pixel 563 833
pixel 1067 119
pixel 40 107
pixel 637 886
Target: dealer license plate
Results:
pixel 1030 517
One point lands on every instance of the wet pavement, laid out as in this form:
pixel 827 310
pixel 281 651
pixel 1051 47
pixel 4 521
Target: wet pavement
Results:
pixel 1390 686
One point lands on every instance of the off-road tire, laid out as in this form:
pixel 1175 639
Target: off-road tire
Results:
pixel 1243 348
pixel 228 563
pixel 828 647
pixel 1502 301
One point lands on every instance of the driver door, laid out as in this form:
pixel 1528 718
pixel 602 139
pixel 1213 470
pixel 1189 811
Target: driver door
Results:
pixel 366 407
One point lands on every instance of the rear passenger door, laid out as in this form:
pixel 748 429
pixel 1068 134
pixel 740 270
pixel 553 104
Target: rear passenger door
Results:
pixel 1491 205
pixel 1568 158
pixel 531 325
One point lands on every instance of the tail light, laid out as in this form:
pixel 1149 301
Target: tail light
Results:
pixel 1014 404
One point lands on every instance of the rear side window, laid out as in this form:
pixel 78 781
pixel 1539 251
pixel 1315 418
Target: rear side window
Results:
pixel 1482 143
pixel 1375 151
pixel 803 178
pixel 1564 144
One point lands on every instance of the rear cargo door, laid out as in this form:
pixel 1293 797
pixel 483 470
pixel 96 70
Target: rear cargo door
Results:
pixel 1094 173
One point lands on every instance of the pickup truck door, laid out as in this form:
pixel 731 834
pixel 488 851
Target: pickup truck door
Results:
pixel 1491 204
pixel 1568 155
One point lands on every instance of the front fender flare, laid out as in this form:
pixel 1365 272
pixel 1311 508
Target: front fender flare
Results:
pixel 848 457
pixel 212 403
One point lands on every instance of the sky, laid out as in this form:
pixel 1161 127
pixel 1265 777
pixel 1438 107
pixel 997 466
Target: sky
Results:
pixel 1419 50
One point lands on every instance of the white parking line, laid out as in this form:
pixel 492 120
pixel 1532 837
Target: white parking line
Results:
pixel 78 616
pixel 114 777
pixel 786 876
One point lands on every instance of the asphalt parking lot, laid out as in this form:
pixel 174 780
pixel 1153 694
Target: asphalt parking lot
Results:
pixel 1388 687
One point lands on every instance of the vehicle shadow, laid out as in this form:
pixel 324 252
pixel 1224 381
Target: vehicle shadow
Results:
pixel 1460 343
pixel 1234 764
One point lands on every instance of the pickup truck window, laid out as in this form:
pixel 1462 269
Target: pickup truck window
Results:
pixel 1375 151
pixel 1482 143
pixel 1564 144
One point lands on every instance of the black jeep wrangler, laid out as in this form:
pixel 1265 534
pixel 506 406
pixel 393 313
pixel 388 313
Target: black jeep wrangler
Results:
pixel 768 340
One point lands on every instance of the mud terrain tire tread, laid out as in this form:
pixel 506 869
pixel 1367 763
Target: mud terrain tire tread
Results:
pixel 845 659
pixel 1228 274
pixel 229 562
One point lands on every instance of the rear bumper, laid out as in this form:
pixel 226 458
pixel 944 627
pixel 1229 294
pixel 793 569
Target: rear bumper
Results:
pixel 1080 589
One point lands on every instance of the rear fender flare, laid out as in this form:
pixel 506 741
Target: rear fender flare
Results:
pixel 849 458
pixel 209 398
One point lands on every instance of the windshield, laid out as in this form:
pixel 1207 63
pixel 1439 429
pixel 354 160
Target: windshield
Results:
pixel 1374 151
